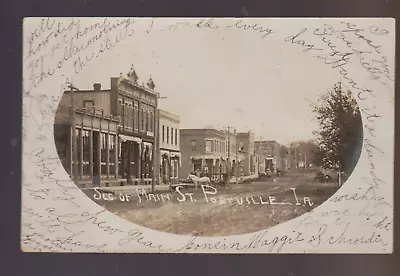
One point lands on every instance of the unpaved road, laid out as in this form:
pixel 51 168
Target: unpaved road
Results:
pixel 222 211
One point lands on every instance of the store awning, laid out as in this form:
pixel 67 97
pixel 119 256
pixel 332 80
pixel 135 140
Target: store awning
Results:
pixel 130 138
pixel 205 157
pixel 165 152
pixel 175 154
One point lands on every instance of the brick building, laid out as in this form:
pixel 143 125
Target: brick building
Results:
pixel 270 151
pixel 95 161
pixel 134 105
pixel 246 147
pixel 210 151
pixel 169 145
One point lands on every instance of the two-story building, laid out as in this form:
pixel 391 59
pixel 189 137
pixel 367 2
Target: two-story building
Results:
pixel 246 147
pixel 89 155
pixel 134 105
pixel 270 151
pixel 169 146
pixel 210 151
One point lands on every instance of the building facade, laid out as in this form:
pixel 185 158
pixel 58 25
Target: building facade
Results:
pixel 209 151
pixel 246 147
pixel 169 147
pixel 94 160
pixel 271 152
pixel 135 104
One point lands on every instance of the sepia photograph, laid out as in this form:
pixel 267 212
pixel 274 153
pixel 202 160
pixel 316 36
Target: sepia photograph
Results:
pixel 197 130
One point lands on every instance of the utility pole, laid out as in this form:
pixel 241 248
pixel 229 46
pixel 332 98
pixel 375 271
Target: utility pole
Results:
pixel 156 152
pixel 305 160
pixel 236 163
pixel 74 152
pixel 229 153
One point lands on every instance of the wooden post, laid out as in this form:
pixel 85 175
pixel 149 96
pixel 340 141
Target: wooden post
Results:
pixel 74 172
pixel 156 148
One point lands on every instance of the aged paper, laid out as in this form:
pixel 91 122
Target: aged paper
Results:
pixel 219 135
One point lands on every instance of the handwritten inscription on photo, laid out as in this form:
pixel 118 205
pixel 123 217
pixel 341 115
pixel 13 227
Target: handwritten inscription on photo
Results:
pixel 219 135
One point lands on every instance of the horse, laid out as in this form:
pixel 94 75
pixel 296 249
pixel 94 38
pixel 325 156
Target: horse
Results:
pixel 196 180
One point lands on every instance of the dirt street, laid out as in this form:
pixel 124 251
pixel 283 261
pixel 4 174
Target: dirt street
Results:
pixel 220 211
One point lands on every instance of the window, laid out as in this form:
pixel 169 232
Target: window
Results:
pixel 209 145
pixel 172 135
pixel 112 148
pixel 128 115
pixel 86 136
pixel 141 127
pixel 147 121
pixel 193 145
pixel 163 134
pixel 136 116
pixel 88 104
pixel 78 150
pixel 151 121
pixel 241 146
pixel 167 135
pixel 103 152
pixel 176 137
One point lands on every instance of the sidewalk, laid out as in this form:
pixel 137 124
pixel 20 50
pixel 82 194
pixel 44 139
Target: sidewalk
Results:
pixel 243 178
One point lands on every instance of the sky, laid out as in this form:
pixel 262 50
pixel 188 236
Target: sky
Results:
pixel 223 78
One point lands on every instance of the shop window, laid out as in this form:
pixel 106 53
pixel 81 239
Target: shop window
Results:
pixel 86 137
pixel 112 147
pixel 103 152
pixel 78 149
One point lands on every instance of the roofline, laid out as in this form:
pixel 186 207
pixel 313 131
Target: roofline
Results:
pixel 88 91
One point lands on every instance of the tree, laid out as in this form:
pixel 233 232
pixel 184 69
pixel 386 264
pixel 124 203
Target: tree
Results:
pixel 340 134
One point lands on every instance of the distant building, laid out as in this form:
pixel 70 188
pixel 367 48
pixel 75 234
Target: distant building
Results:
pixel 246 147
pixel 270 152
pixel 95 161
pixel 169 141
pixel 210 151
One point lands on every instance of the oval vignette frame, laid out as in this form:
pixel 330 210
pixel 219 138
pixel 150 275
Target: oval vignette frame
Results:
pixel 147 233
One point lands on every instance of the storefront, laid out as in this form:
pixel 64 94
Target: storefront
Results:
pixel 169 167
pixel 94 162
pixel 135 160
pixel 214 167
